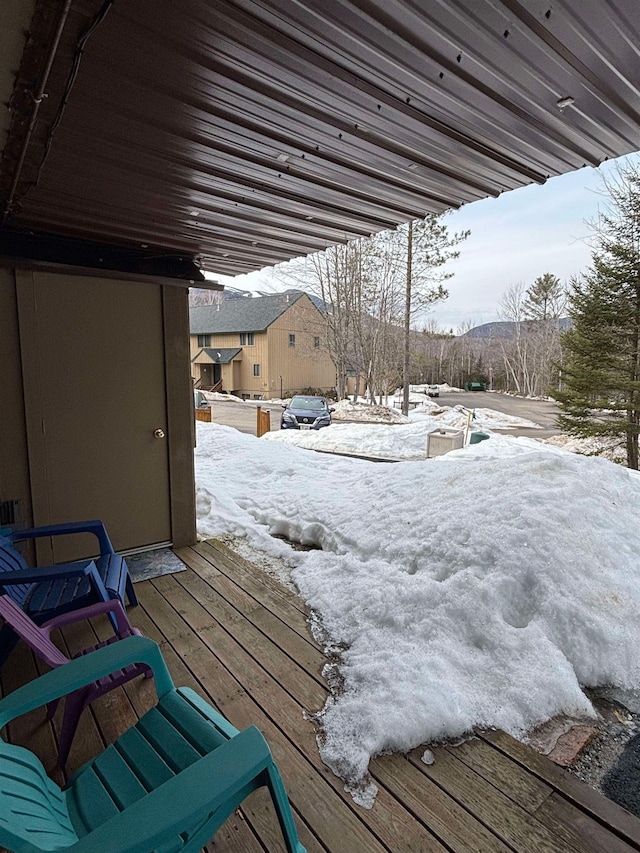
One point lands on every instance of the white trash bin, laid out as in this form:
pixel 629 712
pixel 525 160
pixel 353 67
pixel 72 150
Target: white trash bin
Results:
pixel 442 440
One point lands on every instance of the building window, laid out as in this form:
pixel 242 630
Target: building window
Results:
pixel 316 342
pixel 247 339
pixel 256 370
pixel 204 340
pixel 257 396
pixel 292 340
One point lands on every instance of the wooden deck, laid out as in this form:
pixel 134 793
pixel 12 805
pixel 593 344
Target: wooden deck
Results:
pixel 240 639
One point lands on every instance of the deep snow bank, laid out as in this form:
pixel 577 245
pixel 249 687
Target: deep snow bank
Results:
pixel 479 589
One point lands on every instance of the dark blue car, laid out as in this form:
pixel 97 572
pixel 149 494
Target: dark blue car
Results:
pixel 304 412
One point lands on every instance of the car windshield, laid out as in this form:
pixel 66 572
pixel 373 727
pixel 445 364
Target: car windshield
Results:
pixel 312 404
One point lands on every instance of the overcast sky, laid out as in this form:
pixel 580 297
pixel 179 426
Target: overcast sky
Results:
pixel 514 238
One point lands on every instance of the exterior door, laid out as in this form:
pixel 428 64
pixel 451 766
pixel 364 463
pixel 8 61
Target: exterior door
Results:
pixel 96 410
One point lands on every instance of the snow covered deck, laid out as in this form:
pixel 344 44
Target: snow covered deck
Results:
pixel 242 640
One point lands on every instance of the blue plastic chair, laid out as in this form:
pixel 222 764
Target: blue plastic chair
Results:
pixel 167 784
pixel 48 591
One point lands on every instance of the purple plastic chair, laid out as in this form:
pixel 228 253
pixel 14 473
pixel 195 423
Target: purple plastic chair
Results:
pixel 49 591
pixel 38 638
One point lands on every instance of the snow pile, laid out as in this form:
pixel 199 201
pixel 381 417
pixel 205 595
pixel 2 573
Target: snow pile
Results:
pixel 482 588
pixel 218 397
pixel 459 416
pixel 375 441
pixel 345 410
pixel 443 388
pixel 611 448
pixel 405 439
pixel 490 419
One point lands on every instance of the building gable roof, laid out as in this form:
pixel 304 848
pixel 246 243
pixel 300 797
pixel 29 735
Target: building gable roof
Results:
pixel 223 355
pixel 241 315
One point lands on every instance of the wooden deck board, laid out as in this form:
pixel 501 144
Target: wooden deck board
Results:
pixel 248 694
pixel 510 821
pixel 240 639
pixel 256 669
pixel 502 773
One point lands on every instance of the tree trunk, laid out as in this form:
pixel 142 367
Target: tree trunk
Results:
pixel 407 323
pixel 632 442
pixel 356 390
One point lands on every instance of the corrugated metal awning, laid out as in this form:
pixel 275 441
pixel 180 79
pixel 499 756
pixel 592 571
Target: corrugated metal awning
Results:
pixel 247 132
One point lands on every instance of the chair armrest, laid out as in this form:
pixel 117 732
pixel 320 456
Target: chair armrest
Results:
pixel 47 573
pixel 84 670
pixel 112 606
pixel 96 527
pixel 184 800
pixel 64 570
pixel 218 720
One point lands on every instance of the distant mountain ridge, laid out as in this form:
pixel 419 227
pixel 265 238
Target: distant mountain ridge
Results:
pixel 506 329
pixel 201 297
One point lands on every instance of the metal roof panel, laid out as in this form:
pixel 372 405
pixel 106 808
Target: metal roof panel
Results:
pixel 247 132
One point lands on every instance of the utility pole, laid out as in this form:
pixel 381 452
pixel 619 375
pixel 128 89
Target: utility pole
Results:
pixel 407 322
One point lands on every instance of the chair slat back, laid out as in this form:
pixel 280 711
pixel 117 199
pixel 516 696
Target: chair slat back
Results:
pixel 33 811
pixel 11 561
pixel 10 558
pixel 31 633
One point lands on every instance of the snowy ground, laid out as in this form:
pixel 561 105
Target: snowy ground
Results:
pixel 406 439
pixel 482 588
pixel 611 448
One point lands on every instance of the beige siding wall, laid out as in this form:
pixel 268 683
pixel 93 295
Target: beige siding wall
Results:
pixel 231 375
pixel 236 370
pixel 256 354
pixel 56 369
pixel 175 303
pixel 239 378
pixel 282 366
pixel 230 341
pixel 14 462
pixel 303 365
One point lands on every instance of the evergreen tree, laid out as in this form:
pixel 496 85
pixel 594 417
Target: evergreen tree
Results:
pixel 601 395
pixel 544 304
pixel 545 299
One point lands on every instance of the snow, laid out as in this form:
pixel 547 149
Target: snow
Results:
pixel 218 397
pixel 346 410
pixel 407 437
pixel 612 448
pixel 482 588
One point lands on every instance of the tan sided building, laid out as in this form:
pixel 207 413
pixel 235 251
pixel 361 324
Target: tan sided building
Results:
pixel 260 348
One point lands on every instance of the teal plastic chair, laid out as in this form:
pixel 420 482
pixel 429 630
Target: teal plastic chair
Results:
pixel 165 785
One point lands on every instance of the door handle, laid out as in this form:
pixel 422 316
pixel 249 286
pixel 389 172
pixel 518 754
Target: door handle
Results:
pixel 158 433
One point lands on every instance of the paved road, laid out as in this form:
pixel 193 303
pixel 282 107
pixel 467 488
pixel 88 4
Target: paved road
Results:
pixel 243 416
pixel 539 411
